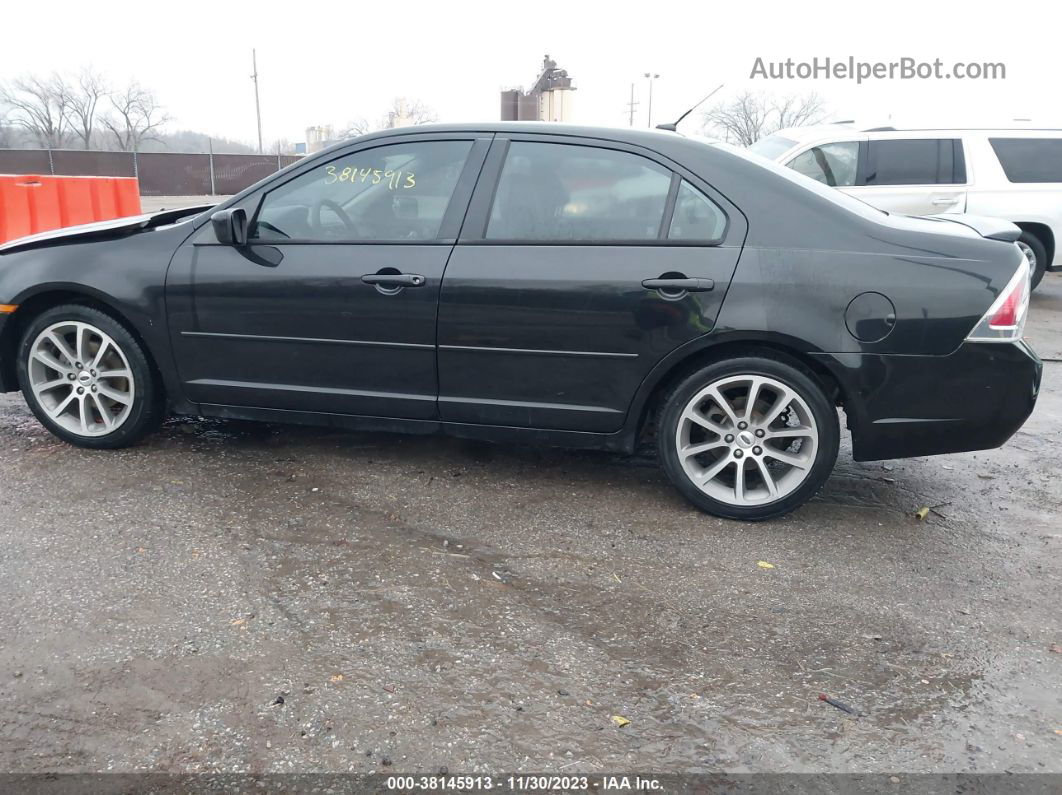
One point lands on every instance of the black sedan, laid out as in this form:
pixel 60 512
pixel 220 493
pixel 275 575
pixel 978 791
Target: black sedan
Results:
pixel 538 284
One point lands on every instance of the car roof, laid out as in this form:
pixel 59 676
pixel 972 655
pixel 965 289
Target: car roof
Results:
pixel 840 130
pixel 641 137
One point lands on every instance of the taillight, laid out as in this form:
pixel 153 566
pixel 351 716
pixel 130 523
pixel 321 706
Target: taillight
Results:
pixel 1005 319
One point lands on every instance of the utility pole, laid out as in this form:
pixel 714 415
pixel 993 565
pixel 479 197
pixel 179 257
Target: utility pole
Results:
pixel 650 76
pixel 257 105
pixel 631 105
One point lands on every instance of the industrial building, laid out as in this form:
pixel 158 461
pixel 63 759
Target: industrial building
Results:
pixel 549 99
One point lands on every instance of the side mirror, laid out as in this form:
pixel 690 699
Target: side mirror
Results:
pixel 230 226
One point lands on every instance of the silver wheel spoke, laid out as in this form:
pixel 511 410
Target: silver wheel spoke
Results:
pixel 703 447
pixel 768 478
pixel 46 358
pixel 61 407
pixel 786 458
pixel 114 394
pixel 750 401
pixel 788 433
pixel 696 416
pixel 784 398
pixel 53 384
pixel 64 349
pixel 99 354
pixel 720 400
pixel 105 416
pixel 716 468
pixel 114 374
pixel 739 481
pixel 83 410
pixel 80 339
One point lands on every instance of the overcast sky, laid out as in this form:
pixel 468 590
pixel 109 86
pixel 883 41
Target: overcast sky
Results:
pixel 327 63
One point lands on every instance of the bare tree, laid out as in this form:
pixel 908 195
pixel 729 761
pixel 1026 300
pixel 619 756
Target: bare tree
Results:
pixel 84 98
pixel 39 106
pixel 406 113
pixel 354 128
pixel 799 111
pixel 402 113
pixel 281 146
pixel 136 117
pixel 6 138
pixel 750 116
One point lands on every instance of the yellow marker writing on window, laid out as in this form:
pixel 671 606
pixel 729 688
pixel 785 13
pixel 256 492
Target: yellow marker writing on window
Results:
pixel 373 176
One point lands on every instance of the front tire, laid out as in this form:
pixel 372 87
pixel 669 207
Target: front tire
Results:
pixel 750 438
pixel 1035 251
pixel 87 379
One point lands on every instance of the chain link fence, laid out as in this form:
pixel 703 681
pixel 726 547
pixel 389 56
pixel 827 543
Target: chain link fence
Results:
pixel 159 173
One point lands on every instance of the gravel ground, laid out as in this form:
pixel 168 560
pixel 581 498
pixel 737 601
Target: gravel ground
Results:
pixel 255 598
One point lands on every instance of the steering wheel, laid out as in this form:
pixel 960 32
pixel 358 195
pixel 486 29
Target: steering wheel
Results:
pixel 315 216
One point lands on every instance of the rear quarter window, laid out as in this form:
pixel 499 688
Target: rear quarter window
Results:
pixel 1029 159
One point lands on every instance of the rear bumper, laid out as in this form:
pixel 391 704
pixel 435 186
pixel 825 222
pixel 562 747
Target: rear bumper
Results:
pixel 973 399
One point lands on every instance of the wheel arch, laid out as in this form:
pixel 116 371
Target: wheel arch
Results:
pixel 702 352
pixel 1044 234
pixel 45 297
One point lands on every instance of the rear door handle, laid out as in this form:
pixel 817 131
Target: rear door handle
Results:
pixel 944 200
pixel 394 279
pixel 679 285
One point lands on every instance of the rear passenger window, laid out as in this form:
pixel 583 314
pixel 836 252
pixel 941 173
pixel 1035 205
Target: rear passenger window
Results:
pixel 915 161
pixel 1030 159
pixel 696 216
pixel 561 192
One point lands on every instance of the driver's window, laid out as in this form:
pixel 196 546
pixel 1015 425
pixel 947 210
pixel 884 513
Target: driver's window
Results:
pixel 395 192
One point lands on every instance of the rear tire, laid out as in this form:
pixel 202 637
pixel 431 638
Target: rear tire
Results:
pixel 1036 253
pixel 87 379
pixel 741 461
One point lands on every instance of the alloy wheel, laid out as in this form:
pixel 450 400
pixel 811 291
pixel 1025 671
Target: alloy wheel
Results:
pixel 81 378
pixel 747 440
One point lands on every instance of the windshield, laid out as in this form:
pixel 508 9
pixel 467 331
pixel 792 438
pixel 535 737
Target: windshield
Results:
pixel 838 197
pixel 772 146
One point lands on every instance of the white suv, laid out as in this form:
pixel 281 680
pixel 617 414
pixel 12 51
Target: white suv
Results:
pixel 1011 174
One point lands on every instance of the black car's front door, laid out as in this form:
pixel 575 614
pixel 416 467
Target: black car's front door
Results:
pixel 580 267
pixel 332 306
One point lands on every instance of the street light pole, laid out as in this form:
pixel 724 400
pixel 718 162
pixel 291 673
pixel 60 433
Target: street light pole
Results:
pixel 650 76
pixel 257 106
pixel 631 106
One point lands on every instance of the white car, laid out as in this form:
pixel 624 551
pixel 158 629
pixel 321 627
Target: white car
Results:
pixel 1015 175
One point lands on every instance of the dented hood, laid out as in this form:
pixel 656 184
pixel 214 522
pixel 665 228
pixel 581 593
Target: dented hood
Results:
pixel 119 227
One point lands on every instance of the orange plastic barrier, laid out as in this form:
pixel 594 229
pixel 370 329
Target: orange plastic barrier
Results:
pixel 30 204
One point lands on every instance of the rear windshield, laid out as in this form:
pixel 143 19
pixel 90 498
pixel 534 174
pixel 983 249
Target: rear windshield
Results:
pixel 772 146
pixel 1030 159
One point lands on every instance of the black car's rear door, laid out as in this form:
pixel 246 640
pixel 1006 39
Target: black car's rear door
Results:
pixel 582 263
pixel 332 307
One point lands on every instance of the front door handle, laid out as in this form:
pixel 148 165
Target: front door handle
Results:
pixel 679 285
pixel 394 279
